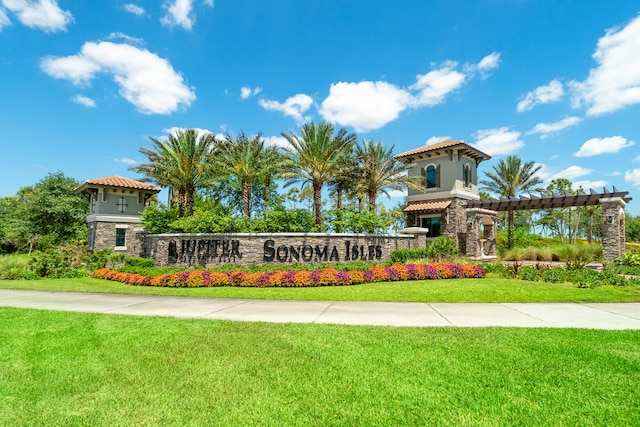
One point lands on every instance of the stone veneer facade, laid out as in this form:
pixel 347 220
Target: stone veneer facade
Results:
pixel 276 248
pixel 613 227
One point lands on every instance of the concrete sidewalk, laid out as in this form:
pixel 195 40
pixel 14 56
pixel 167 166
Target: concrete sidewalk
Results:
pixel 529 315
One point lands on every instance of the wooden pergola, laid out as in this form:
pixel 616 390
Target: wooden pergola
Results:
pixel 612 202
pixel 544 201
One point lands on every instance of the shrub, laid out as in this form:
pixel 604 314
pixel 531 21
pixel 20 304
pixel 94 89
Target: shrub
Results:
pixel 441 247
pixel 529 273
pixel 628 259
pixel 554 275
pixel 404 255
pixel 139 262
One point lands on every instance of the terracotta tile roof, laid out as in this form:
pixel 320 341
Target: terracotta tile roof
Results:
pixel 428 206
pixel 469 150
pixel 118 181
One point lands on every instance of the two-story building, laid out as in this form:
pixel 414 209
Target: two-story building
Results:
pixel 115 205
pixel 449 172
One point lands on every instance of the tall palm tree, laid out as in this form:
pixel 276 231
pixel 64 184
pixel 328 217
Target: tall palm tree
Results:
pixel 181 163
pixel 381 172
pixel 314 158
pixel 346 177
pixel 510 178
pixel 248 159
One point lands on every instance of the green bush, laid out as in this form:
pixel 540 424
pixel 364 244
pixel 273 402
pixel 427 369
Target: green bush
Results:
pixel 55 262
pixel 139 262
pixel 628 259
pixel 404 255
pixel 554 275
pixel 494 267
pixel 283 221
pixel 207 221
pixel 14 267
pixel 441 247
pixel 529 273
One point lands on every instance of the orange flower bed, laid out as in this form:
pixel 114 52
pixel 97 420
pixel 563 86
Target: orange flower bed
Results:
pixel 304 278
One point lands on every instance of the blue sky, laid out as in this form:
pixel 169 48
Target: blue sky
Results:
pixel 84 84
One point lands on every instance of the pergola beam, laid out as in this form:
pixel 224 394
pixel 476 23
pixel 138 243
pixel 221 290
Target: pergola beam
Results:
pixel 544 201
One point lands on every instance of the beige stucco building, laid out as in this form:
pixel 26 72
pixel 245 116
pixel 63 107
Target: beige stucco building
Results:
pixel 115 207
pixel 449 172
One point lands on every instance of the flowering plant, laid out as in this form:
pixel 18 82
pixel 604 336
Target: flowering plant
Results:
pixel 304 278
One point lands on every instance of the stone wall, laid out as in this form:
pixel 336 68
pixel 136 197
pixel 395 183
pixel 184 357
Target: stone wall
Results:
pixel 276 248
pixel 105 237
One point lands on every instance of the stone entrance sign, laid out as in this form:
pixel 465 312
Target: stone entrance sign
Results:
pixel 276 248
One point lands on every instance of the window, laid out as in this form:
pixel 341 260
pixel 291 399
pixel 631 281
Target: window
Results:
pixel 121 234
pixel 466 175
pixel 122 204
pixel 432 176
pixel 433 224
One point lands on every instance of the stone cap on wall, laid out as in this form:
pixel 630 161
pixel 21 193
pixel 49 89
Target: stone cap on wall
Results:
pixel 359 235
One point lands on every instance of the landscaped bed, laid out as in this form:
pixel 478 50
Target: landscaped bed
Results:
pixel 303 278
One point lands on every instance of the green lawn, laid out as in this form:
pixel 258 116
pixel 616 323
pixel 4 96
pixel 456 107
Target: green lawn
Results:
pixel 103 370
pixel 490 289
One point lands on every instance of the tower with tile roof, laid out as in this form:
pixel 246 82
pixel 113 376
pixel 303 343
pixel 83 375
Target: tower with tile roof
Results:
pixel 114 219
pixel 448 171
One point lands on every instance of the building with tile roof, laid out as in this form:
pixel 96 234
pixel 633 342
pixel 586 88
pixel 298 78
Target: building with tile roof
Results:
pixel 114 219
pixel 448 171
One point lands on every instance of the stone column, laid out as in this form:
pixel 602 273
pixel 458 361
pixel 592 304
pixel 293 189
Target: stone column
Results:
pixel 613 227
pixel 453 220
pixel 473 235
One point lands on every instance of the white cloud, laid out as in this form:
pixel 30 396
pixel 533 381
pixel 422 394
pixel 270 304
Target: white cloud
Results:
pixel 130 40
pixel 246 91
pixel 633 177
pixel 294 106
pixel 435 139
pixel 398 193
pixel 147 81
pixel 498 141
pixel 618 173
pixel 615 83
pixel 543 173
pixel 180 13
pixel 487 64
pixel 45 15
pixel 83 100
pixel 134 8
pixel 547 129
pixel 597 146
pixel 636 159
pixel 369 105
pixel 127 161
pixel 276 141
pixel 175 129
pixel 4 19
pixel 586 185
pixel 571 173
pixel 552 92
pixel 435 85
pixel 365 105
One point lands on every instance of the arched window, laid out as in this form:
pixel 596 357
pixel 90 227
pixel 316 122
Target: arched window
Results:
pixel 466 175
pixel 432 176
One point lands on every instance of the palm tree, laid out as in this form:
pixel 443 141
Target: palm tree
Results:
pixel 315 156
pixel 247 159
pixel 181 163
pixel 510 178
pixel 346 177
pixel 381 172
